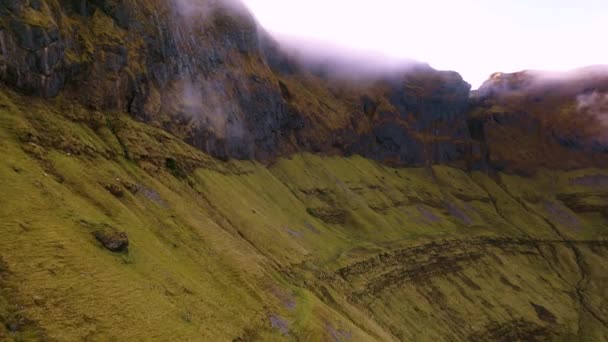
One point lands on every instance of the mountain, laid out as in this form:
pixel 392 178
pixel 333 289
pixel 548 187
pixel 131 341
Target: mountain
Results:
pixel 170 172
pixel 534 119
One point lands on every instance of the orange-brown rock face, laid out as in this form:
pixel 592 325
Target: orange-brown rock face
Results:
pixel 533 119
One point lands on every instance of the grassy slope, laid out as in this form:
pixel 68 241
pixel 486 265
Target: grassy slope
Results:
pixel 310 248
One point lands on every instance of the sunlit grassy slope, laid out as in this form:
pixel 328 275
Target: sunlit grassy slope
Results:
pixel 310 248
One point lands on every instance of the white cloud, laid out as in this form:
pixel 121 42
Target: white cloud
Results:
pixel 595 104
pixel 473 37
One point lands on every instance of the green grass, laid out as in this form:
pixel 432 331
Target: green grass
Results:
pixel 217 249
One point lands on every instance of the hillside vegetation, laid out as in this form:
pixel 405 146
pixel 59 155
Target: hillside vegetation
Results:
pixel 307 248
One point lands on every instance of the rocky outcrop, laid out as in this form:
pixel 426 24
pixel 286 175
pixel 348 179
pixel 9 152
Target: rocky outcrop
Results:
pixel 533 119
pixel 421 119
pixel 31 49
pixel 113 241
pixel 422 272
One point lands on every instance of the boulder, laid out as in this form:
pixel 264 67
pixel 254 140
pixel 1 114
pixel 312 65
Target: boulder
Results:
pixel 113 241
pixel 114 189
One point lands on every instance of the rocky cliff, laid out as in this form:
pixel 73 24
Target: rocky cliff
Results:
pixel 209 75
pixel 534 119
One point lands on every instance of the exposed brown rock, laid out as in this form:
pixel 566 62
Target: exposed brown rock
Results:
pixel 114 190
pixel 526 120
pixel 113 241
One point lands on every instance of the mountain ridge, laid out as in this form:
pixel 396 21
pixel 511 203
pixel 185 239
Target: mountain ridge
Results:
pixel 214 78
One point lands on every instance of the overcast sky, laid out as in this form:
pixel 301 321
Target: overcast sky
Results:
pixel 473 37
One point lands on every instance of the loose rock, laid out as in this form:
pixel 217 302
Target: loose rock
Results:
pixel 116 242
pixel 114 190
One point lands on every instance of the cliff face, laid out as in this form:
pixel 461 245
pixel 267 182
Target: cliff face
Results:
pixel 533 119
pixel 208 75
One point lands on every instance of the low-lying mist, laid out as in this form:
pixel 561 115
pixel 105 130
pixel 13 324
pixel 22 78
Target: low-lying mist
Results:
pixel 203 8
pixel 595 104
pixel 209 98
pixel 473 37
pixel 342 62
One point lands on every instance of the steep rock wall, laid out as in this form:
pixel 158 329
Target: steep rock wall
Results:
pixel 208 74
pixel 533 119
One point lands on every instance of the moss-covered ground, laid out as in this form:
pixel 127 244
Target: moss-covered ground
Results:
pixel 310 248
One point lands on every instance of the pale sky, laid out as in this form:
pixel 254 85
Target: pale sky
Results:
pixel 474 37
